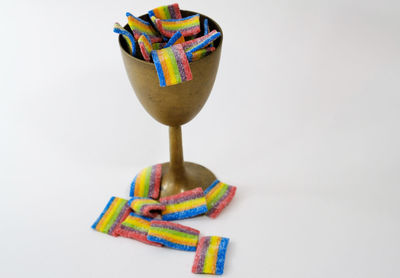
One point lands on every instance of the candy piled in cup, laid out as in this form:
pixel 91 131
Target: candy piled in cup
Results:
pixel 168 40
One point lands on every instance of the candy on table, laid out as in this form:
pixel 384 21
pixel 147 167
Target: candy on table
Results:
pixel 188 26
pixel 147 182
pixel 165 12
pixel 136 227
pixel 173 235
pixel 210 255
pixel 197 55
pixel 218 196
pixel 175 39
pixel 146 206
pixel 184 205
pixel 127 36
pixel 116 210
pixel 139 27
pixel 145 46
pixel 201 42
pixel 172 65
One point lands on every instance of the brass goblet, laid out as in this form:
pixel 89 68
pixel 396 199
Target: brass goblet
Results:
pixel 174 106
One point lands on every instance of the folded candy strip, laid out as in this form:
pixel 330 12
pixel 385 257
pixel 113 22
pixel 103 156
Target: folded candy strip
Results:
pixel 136 227
pixel 201 42
pixel 139 27
pixel 147 182
pixel 210 255
pixel 173 235
pixel 166 12
pixel 218 196
pixel 145 46
pixel 197 55
pixel 184 205
pixel 188 26
pixel 146 206
pixel 175 39
pixel 116 210
pixel 127 36
pixel 172 65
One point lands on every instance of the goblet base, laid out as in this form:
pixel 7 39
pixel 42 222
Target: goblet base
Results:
pixel 188 177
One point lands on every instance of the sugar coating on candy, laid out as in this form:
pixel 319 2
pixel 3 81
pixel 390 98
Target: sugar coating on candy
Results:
pixel 175 39
pixel 136 227
pixel 184 205
pixel 158 45
pixel 146 206
pixel 139 27
pixel 116 210
pixel 145 46
pixel 188 26
pixel 201 42
pixel 147 182
pixel 165 12
pixel 197 55
pixel 173 235
pixel 172 65
pixel 210 255
pixel 218 196
pixel 206 28
pixel 127 36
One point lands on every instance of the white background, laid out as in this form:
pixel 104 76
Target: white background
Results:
pixel 303 119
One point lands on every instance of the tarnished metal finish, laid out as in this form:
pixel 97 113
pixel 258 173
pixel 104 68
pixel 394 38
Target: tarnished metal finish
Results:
pixel 174 106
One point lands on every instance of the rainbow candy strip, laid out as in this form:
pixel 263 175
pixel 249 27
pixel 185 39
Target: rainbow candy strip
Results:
pixel 173 235
pixel 166 12
pixel 147 182
pixel 188 26
pixel 218 196
pixel 175 39
pixel 184 205
pixel 139 27
pixel 201 42
pixel 116 210
pixel 210 255
pixel 145 46
pixel 197 55
pixel 136 227
pixel 172 65
pixel 146 206
pixel 206 28
pixel 127 36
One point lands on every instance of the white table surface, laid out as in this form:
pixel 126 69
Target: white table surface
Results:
pixel 303 119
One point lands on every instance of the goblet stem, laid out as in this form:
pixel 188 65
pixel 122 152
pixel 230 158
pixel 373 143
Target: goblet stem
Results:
pixel 175 149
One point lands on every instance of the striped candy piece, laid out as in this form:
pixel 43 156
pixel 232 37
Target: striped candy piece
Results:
pixel 210 255
pixel 206 28
pixel 173 235
pixel 136 227
pixel 139 27
pixel 145 46
pixel 218 196
pixel 175 39
pixel 166 12
pixel 197 55
pixel 147 182
pixel 188 26
pixel 116 210
pixel 127 36
pixel 184 205
pixel 172 65
pixel 201 42
pixel 146 206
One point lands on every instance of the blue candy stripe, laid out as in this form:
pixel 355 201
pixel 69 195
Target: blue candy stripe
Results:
pixel 173 39
pixel 219 268
pixel 102 214
pixel 132 193
pixel 158 68
pixel 185 214
pixel 211 187
pixel 171 244
pixel 205 42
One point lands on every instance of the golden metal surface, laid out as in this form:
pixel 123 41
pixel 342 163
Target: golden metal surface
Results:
pixel 174 106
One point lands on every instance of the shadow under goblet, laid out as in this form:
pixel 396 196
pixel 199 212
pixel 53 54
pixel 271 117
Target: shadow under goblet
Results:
pixel 174 106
